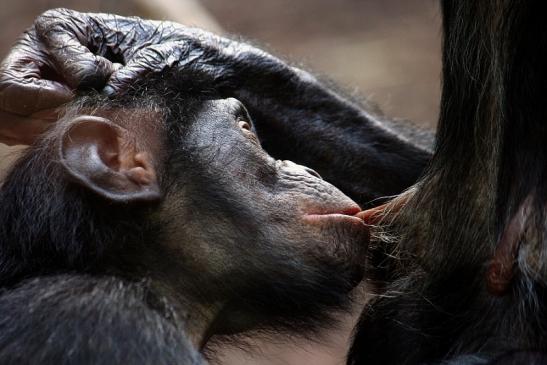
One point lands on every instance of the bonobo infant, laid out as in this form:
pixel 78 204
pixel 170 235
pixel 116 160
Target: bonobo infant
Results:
pixel 138 228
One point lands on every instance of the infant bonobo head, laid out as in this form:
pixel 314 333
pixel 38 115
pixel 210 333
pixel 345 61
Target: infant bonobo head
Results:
pixel 174 187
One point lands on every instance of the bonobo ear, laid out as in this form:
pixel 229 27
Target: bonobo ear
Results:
pixel 105 158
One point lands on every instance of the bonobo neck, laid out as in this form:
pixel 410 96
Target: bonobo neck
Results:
pixel 183 290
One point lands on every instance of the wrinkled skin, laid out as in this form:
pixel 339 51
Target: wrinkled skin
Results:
pixel 27 98
pixel 296 116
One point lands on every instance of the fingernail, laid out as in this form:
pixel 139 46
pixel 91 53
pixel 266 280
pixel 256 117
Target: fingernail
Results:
pixel 108 91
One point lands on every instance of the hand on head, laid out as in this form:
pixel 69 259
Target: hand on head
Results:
pixel 66 51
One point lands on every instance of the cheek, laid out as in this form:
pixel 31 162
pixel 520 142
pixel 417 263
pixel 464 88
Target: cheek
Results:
pixel 189 244
pixel 198 239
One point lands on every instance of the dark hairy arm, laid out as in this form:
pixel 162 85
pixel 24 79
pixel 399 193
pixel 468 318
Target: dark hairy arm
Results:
pixel 297 117
pixel 80 319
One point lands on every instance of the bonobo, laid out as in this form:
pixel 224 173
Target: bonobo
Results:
pixel 140 227
pixel 469 282
pixel 463 252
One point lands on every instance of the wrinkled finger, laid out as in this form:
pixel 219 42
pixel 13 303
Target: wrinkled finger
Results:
pixel 150 60
pixel 121 80
pixel 66 39
pixel 23 91
pixel 30 96
pixel 20 130
pixel 48 115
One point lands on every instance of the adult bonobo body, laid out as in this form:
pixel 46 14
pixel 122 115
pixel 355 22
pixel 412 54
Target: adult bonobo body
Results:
pixel 138 228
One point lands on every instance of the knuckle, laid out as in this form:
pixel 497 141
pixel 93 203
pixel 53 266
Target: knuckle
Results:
pixel 8 81
pixel 52 18
pixel 55 13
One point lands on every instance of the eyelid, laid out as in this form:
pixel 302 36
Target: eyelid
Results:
pixel 250 133
pixel 243 123
pixel 242 114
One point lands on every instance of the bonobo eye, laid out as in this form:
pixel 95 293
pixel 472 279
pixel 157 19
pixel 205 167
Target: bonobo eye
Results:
pixel 247 129
pixel 244 125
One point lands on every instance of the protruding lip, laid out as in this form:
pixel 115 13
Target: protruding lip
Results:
pixel 344 215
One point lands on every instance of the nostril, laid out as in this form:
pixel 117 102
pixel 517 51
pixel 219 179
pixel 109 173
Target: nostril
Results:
pixel 313 172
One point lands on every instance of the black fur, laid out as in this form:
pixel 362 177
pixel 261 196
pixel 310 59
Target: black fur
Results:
pixel 88 280
pixel 490 155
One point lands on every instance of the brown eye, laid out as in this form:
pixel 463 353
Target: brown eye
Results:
pixel 244 125
pixel 248 131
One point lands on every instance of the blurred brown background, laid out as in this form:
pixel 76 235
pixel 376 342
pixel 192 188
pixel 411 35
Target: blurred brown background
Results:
pixel 385 50
pixel 388 50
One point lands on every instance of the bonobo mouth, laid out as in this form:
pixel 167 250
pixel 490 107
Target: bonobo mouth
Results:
pixel 351 231
pixel 347 215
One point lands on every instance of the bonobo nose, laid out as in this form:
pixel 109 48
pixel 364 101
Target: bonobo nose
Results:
pixel 289 165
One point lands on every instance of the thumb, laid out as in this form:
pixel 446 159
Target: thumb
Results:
pixel 66 45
